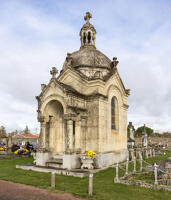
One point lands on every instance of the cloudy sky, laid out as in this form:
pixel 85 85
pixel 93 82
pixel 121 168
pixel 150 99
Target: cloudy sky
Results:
pixel 36 35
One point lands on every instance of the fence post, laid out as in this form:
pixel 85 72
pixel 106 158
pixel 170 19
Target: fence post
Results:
pixel 154 152
pixel 132 154
pixel 127 163
pixel 151 152
pixel 155 174
pixel 141 163
pixel 90 186
pixel 139 153
pixel 53 179
pixel 134 164
pixel 146 152
pixel 116 179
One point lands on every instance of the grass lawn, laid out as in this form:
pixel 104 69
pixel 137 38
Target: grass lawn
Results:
pixel 104 188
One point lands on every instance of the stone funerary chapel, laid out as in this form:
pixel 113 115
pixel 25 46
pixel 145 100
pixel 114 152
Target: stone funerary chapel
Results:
pixel 83 108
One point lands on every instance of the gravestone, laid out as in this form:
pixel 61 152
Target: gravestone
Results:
pixel 131 139
pixel 144 138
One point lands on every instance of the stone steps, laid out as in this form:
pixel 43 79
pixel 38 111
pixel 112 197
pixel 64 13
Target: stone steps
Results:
pixel 57 156
pixel 55 163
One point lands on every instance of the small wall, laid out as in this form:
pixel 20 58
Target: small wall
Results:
pixel 107 159
pixel 71 161
pixel 41 158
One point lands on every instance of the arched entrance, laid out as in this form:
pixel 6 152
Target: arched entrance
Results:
pixel 54 134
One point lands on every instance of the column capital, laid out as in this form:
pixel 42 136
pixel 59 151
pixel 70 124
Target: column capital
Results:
pixel 69 121
pixel 40 117
pixel 43 124
pixel 70 116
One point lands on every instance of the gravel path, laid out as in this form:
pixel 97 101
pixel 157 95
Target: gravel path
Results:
pixel 16 191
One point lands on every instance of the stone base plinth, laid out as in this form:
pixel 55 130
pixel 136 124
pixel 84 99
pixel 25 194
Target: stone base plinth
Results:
pixel 41 158
pixel 71 161
pixel 108 159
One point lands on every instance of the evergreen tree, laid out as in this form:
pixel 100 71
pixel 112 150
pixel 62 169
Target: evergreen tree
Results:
pixel 26 130
pixel 140 129
pixel 2 131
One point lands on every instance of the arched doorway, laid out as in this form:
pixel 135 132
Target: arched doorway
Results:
pixel 54 116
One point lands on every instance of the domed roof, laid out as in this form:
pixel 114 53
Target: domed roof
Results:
pixel 88 57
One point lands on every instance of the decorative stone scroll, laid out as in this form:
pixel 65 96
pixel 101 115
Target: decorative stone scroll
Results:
pixel 53 72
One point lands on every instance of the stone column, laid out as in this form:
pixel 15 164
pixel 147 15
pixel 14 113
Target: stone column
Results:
pixel 83 134
pixel 61 135
pixel 78 136
pixel 42 134
pixel 70 134
pixel 42 137
pixel 51 133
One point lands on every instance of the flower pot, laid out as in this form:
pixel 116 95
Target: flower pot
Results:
pixel 87 162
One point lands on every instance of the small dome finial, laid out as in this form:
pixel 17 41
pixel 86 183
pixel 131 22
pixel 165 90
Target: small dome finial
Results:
pixel 87 17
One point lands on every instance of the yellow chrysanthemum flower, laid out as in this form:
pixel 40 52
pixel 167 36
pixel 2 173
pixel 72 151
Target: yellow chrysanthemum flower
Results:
pixel 91 154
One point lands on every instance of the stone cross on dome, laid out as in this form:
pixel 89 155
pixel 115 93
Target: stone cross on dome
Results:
pixel 87 17
pixel 115 62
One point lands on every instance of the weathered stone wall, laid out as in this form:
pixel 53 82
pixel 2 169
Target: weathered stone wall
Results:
pixel 92 125
pixel 116 140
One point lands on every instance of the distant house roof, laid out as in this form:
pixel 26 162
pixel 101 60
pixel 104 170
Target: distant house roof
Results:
pixel 25 135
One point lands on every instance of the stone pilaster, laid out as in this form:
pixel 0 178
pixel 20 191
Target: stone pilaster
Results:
pixel 51 133
pixel 43 134
pixel 70 134
pixel 83 134
pixel 78 136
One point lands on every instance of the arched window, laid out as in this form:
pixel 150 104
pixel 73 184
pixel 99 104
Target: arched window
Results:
pixel 89 37
pixel 84 38
pixel 114 113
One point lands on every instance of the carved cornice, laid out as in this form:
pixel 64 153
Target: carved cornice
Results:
pixel 77 109
pixel 70 116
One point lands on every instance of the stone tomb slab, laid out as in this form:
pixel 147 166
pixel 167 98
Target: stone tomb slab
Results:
pixel 73 172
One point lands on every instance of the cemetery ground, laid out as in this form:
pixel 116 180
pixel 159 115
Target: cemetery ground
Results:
pixel 103 186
